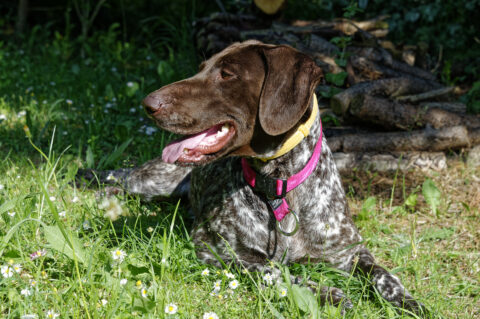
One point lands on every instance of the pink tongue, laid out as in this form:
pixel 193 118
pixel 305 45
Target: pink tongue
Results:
pixel 174 150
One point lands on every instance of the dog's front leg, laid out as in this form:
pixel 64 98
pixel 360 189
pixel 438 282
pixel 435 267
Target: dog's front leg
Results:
pixel 153 179
pixel 387 284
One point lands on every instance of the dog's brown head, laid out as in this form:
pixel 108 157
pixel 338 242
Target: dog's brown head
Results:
pixel 242 102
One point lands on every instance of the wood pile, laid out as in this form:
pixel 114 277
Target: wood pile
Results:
pixel 381 108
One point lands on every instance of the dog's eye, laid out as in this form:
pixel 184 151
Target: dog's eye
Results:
pixel 225 74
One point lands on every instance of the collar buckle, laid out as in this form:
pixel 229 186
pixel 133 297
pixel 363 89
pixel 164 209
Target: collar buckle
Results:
pixel 268 186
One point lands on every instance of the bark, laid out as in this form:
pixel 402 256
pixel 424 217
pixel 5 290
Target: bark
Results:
pixel 426 95
pixel 347 162
pixel 21 16
pixel 394 115
pixel 392 87
pixel 420 140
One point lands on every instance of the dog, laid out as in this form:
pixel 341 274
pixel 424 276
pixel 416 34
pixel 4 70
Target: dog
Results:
pixel 259 175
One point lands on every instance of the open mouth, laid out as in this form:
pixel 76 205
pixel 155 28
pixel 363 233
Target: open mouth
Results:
pixel 200 146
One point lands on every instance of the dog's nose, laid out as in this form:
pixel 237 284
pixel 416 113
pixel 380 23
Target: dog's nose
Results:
pixel 151 104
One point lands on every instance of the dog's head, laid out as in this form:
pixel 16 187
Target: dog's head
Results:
pixel 243 101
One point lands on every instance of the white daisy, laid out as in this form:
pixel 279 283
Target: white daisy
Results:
pixel 29 316
pixel 130 84
pixel 7 271
pixel 17 268
pixel 52 198
pixel 230 275
pixel 75 199
pixel 21 113
pixel 210 315
pixel 217 285
pixel 113 208
pixel 133 110
pixel 143 291
pixel 205 272
pixel 26 292
pixel 3 117
pixel 104 302
pixel 268 279
pixel 123 282
pixel 119 255
pixel 62 213
pixel 1 186
pixel 282 293
pixel 52 314
pixel 69 102
pixel 171 309
pixel 11 214
pixel 233 284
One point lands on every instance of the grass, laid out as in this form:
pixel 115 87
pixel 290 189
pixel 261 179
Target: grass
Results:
pixel 62 113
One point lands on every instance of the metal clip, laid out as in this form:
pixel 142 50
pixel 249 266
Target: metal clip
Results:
pixel 294 231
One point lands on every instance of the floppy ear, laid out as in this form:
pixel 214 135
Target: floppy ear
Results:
pixel 290 80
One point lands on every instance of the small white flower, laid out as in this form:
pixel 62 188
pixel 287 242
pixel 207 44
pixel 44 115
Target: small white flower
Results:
pixel 17 268
pixel 114 99
pixel 233 284
pixel 75 199
pixel 113 208
pixel 110 177
pixel 69 102
pixel 217 285
pixel 52 314
pixel 52 83
pixel 108 105
pixel 143 291
pixel 268 279
pixel 64 133
pixel 130 84
pixel 282 293
pixel 29 316
pixel 148 58
pixel 7 271
pixel 62 214
pixel 230 275
pixel 26 292
pixel 150 130
pixel 171 309
pixel 150 229
pixel 44 102
pixel 123 282
pixel 33 283
pixel 21 113
pixel 86 225
pixel 119 255
pixel 210 315
pixel 114 69
pixel 3 117
pixel 133 110
pixel 104 302
pixel 11 214
pixel 205 272
pixel 52 198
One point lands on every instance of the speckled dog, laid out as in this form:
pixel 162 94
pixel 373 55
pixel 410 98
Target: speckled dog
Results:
pixel 246 102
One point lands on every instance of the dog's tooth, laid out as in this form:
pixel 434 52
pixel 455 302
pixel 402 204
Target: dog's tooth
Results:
pixel 225 127
pixel 185 151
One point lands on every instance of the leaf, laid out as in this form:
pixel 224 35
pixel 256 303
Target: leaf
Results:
pixel 305 300
pixel 337 79
pixel 368 208
pixel 411 200
pixel 57 241
pixel 90 157
pixel 432 194
pixel 132 88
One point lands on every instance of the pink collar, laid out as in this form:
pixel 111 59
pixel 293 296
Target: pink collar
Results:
pixel 276 189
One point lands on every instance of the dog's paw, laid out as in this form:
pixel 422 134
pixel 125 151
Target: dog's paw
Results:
pixel 335 297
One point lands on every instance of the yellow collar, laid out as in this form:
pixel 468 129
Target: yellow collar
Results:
pixel 302 132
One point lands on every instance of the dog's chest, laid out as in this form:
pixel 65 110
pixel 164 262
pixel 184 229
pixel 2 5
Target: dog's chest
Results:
pixel 225 205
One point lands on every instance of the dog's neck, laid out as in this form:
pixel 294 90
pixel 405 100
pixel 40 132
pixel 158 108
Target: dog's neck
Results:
pixel 293 161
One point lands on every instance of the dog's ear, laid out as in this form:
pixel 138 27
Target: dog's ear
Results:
pixel 290 80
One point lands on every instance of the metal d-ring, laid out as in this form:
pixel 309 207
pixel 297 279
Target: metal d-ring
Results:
pixel 281 231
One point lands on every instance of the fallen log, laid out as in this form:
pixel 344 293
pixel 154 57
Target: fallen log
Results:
pixel 421 140
pixel 347 162
pixel 391 87
pixel 448 106
pixel 394 115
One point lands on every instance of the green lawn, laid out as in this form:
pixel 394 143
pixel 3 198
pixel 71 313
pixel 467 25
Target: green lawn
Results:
pixel 59 253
